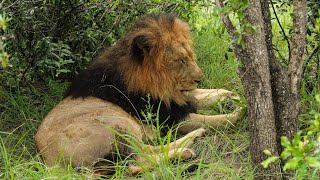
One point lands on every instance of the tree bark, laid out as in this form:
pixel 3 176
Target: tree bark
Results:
pixel 283 100
pixel 256 79
pixel 296 64
pixel 298 44
pixel 272 91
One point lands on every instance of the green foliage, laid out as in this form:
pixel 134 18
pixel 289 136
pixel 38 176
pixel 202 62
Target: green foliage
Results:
pixel 4 20
pixel 303 152
pixel 4 56
pixel 21 114
pixel 311 70
pixel 58 57
pixel 50 35
pixel 236 10
pixel 282 13
pixel 215 56
pixel 56 39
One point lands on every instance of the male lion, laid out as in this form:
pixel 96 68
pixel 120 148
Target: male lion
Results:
pixel 154 65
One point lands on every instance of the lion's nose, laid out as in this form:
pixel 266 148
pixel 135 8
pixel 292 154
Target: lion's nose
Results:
pixel 199 77
pixel 196 73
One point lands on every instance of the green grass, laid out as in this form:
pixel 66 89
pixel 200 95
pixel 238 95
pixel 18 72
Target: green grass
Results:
pixel 22 112
pixel 218 64
pixel 222 153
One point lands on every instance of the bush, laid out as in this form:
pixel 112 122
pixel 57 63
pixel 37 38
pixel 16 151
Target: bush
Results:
pixel 54 39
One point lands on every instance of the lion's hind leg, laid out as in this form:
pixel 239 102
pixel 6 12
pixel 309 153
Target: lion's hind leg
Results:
pixel 177 149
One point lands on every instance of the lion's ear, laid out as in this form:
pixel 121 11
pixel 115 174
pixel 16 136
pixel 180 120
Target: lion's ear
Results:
pixel 140 47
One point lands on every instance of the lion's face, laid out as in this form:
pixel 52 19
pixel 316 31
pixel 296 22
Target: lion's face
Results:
pixel 184 72
pixel 161 60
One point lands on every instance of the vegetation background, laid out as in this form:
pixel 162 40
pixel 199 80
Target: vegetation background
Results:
pixel 45 43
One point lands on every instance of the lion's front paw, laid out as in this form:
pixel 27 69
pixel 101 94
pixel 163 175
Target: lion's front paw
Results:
pixel 233 95
pixel 186 153
pixel 196 133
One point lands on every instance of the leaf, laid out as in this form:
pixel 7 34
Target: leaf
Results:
pixel 66 51
pixel 63 70
pixel 285 141
pixel 317 97
pixel 268 161
pixel 297 139
pixel 313 162
pixel 267 152
pixel 4 21
pixel 156 1
pixel 292 163
pixel 285 153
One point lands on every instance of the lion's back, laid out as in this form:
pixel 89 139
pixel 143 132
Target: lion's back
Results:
pixel 81 129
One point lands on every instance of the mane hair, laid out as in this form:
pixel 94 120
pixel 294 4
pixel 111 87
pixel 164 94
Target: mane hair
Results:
pixel 131 73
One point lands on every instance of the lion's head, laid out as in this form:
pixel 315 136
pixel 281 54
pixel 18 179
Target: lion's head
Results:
pixel 155 57
pixel 160 59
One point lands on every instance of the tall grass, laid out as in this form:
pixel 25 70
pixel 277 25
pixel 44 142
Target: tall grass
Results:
pixel 22 112
pixel 216 58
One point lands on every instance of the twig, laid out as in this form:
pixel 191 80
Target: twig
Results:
pixel 74 8
pixel 4 8
pixel 227 22
pixel 278 51
pixel 1 4
pixel 6 37
pixel 310 57
pixel 282 30
pixel 231 30
pixel 318 61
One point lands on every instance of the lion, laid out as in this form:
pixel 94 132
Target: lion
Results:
pixel 153 64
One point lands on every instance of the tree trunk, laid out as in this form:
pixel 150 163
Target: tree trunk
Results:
pixel 283 101
pixel 256 80
pixel 272 91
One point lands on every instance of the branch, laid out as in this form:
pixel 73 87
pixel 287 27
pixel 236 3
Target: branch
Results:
pixel 283 59
pixel 229 27
pixel 318 61
pixel 6 37
pixel 1 3
pixel 298 44
pixel 282 30
pixel 9 6
pixel 75 8
pixel 310 57
pixel 226 21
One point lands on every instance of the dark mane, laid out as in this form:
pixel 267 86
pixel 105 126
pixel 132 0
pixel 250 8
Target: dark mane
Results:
pixel 104 79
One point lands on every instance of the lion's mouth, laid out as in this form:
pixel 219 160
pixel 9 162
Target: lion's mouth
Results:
pixel 187 92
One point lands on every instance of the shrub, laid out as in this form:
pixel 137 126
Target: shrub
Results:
pixel 54 39
pixel 303 152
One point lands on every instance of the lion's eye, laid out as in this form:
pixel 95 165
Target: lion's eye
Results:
pixel 182 61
